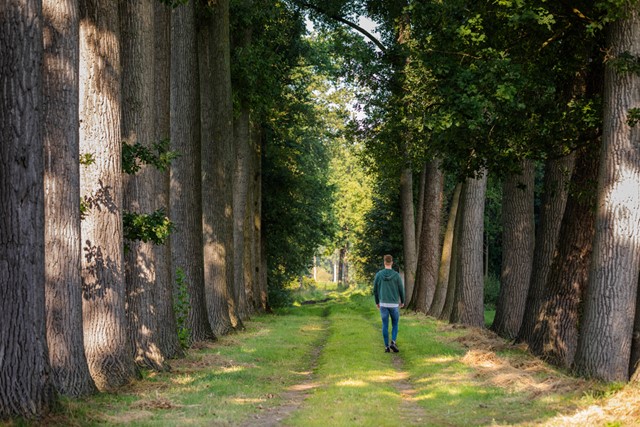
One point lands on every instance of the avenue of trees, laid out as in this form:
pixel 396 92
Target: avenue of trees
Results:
pixel 169 167
pixel 528 93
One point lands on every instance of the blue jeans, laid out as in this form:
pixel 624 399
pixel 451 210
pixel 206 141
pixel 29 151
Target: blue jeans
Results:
pixel 385 312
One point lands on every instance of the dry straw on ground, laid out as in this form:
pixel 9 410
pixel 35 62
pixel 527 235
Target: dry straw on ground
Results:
pixel 520 372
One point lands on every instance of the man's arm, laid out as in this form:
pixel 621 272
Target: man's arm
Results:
pixel 401 290
pixel 376 290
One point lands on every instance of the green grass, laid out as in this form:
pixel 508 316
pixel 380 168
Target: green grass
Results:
pixel 245 376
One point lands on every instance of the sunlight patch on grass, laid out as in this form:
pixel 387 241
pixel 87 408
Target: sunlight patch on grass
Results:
pixel 351 383
pixel 246 400
pixel 183 380
pixel 231 369
pixel 390 376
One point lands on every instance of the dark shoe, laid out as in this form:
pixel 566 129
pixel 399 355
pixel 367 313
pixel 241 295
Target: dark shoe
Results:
pixel 394 347
pixel 387 350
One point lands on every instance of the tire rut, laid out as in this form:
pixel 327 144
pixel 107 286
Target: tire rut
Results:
pixel 294 396
pixel 411 412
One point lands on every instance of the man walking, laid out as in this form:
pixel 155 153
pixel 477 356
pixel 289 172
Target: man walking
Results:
pixel 388 291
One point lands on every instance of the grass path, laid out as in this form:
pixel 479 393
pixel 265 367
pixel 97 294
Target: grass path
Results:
pixel 324 364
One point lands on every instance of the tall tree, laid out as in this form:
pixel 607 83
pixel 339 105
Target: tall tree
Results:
pixel 217 166
pixel 106 338
pixel 25 385
pixel 242 173
pixel 242 181
pixel 186 204
pixel 605 340
pixel 452 285
pixel 141 187
pixel 166 318
pixel 468 308
pixel 557 174
pixel 408 231
pixel 429 252
pixel 555 334
pixel 442 287
pixel 69 367
pixel 517 251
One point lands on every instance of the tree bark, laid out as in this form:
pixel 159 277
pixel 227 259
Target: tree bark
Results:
pixel 442 287
pixel 242 136
pixel 517 250
pixel 137 47
pixel 25 385
pixel 634 362
pixel 468 308
pixel 421 202
pixel 604 346
pixel 168 340
pixel 106 338
pixel 63 285
pixel 408 231
pixel 250 266
pixel 185 202
pixel 452 284
pixel 554 198
pixel 217 128
pixel 555 335
pixel 429 252
pixel 260 289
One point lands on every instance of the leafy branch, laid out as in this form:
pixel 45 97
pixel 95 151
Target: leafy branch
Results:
pixel 154 227
pixel 339 18
pixel 135 155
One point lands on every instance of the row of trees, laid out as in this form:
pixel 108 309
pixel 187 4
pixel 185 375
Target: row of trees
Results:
pixel 151 151
pixel 459 90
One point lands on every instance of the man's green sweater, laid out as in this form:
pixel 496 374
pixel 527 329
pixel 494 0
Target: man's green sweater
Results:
pixel 388 288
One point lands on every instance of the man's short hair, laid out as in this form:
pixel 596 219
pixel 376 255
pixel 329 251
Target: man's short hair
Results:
pixel 388 259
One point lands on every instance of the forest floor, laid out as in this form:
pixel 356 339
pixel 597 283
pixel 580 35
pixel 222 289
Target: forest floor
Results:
pixel 323 363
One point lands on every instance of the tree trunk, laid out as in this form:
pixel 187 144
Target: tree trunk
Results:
pixel 429 252
pixel 468 308
pixel 242 136
pixel 445 259
pixel 421 203
pixel 217 138
pixel 167 327
pixel 452 284
pixel 185 204
pixel 264 270
pixel 408 231
pixel 554 198
pixel 63 285
pixel 250 266
pixel 517 250
pixel 634 362
pixel 261 285
pixel 341 265
pixel 555 335
pixel 604 346
pixel 25 385
pixel 106 338
pixel 138 121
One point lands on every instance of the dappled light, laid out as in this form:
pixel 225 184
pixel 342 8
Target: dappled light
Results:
pixel 351 383
pixel 208 209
